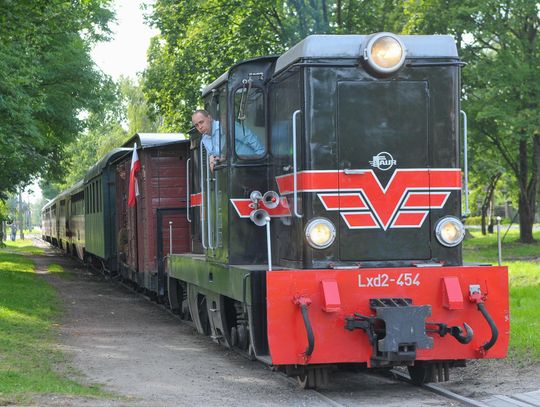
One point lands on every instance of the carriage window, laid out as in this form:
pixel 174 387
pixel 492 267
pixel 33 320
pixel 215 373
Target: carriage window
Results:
pixel 249 126
pixel 94 197
pixel 99 195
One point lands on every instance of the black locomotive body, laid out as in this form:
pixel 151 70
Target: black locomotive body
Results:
pixel 357 188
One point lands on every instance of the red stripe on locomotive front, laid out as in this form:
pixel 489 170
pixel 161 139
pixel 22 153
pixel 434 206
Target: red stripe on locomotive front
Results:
pixel 362 220
pixel 412 219
pixel 425 200
pixel 334 344
pixel 333 180
pixel 308 181
pixel 244 208
pixel 334 202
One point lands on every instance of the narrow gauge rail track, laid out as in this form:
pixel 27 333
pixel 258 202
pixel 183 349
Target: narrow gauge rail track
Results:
pixel 466 401
pixel 456 398
pixel 353 399
pixel 434 388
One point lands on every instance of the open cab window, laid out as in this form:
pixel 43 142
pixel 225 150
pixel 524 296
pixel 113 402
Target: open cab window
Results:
pixel 216 105
pixel 249 125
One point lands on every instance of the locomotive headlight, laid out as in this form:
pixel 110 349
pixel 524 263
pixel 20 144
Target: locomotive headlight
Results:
pixel 320 233
pixel 450 231
pixel 385 53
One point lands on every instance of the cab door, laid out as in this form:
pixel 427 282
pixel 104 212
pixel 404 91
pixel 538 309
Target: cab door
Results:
pixel 383 155
pixel 214 183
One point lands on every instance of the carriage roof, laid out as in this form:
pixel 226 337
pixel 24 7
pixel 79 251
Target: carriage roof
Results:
pixel 148 140
pixel 98 168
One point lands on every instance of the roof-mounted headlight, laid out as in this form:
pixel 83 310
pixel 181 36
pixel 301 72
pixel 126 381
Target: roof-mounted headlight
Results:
pixel 450 231
pixel 384 53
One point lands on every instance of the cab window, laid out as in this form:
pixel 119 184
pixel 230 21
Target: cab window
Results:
pixel 249 125
pixel 217 107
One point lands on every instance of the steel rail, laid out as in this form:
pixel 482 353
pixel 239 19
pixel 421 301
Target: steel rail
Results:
pixel 441 391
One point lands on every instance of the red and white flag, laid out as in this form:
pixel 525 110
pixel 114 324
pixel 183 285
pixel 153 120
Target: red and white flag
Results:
pixel 133 185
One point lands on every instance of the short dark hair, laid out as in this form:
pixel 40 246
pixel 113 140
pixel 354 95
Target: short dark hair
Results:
pixel 201 111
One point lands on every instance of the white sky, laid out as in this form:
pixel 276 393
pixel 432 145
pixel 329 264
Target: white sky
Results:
pixel 32 193
pixel 125 54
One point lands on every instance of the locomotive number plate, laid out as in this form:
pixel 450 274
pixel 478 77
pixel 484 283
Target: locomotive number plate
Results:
pixel 384 280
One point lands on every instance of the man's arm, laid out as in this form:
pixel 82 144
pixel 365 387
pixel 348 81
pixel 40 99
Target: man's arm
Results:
pixel 244 135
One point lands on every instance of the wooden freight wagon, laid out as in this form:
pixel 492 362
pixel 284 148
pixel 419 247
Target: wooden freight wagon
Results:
pixel 143 229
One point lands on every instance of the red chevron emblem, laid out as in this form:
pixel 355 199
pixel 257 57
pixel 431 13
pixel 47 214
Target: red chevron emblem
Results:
pixel 364 203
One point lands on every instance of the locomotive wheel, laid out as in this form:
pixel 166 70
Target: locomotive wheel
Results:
pixel 420 373
pixel 177 291
pixel 243 337
pixel 239 338
pixel 234 337
pixel 427 372
pixel 313 378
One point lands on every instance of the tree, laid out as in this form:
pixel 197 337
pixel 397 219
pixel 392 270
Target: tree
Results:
pixel 200 40
pixel 499 40
pixel 107 130
pixel 135 108
pixel 505 92
pixel 48 80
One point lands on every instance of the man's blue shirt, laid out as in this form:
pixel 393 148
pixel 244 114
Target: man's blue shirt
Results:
pixel 247 144
pixel 211 142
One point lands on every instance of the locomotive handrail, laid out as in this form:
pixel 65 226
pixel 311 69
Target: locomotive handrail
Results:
pixel 295 169
pixel 465 163
pixel 216 195
pixel 208 211
pixel 188 197
pixel 202 195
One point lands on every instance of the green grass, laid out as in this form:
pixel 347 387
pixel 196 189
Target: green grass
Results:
pixel 484 248
pixel 523 261
pixel 524 280
pixel 24 246
pixel 29 358
pixel 34 231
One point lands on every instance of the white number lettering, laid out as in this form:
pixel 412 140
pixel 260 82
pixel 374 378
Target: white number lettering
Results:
pixel 384 280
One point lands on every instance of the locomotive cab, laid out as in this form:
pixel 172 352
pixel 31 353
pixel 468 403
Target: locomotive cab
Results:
pixel 237 101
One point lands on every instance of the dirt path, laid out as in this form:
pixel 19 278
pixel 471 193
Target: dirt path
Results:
pixel 140 352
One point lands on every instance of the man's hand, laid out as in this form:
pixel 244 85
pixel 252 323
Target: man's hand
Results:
pixel 214 160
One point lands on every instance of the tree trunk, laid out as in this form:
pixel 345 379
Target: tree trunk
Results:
pixel 526 195
pixel 483 223
pixel 487 201
pixel 491 214
pixel 338 16
pixel 21 222
pixel 536 160
pixel 526 220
